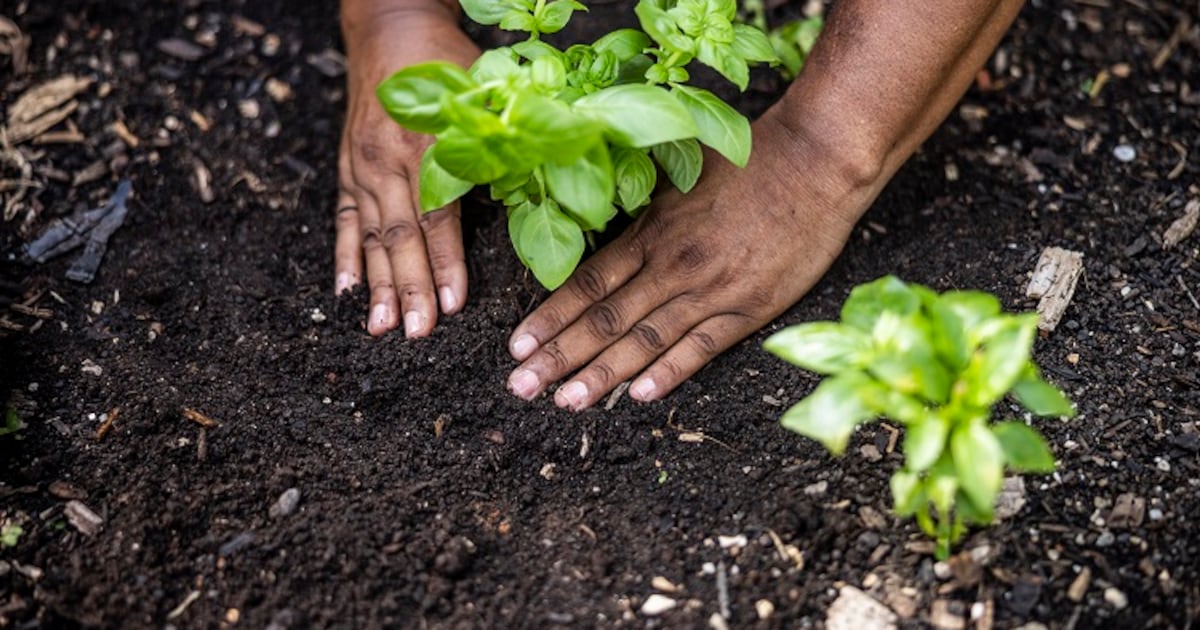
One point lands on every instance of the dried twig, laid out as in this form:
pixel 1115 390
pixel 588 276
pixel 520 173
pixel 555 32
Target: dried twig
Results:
pixel 107 425
pixel 199 418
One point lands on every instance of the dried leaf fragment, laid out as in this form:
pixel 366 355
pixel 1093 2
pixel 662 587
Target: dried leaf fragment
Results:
pixel 1183 226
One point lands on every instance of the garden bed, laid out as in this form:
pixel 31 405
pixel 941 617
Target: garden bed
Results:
pixel 429 496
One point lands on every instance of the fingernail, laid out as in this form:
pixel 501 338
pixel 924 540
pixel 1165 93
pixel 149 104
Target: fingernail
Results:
pixel 523 383
pixel 448 299
pixel 642 389
pixel 413 323
pixel 524 346
pixel 573 395
pixel 342 283
pixel 380 315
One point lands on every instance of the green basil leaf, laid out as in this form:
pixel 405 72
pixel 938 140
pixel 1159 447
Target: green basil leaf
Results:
pixel 636 177
pixel 806 33
pixel 1040 397
pixel 895 404
pixel 585 187
pixel 467 157
pixel 555 15
pixel 625 43
pixel 941 486
pixel 903 356
pixel 719 125
pixel 548 74
pixel 950 341
pixel 486 12
pixel 867 301
pixel 978 463
pixel 466 113
pixel 726 9
pixel 830 414
pixel 907 492
pixel 1024 448
pixel 821 347
pixel 924 442
pixel 751 44
pixel 519 21
pixel 516 219
pixel 552 130
pixel 437 188
pixel 497 63
pixel 996 366
pixel 413 96
pixel 662 28
pixel 534 49
pixel 972 307
pixel 682 160
pixel 551 243
pixel 722 58
pixel 638 115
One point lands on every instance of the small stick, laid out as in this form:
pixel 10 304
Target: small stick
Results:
pixel 723 590
pixel 199 418
pixel 1188 291
pixel 107 425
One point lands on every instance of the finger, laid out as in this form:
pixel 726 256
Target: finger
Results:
pixel 644 343
pixel 447 260
pixel 405 245
pixel 599 327
pixel 594 280
pixel 384 303
pixel 693 351
pixel 347 250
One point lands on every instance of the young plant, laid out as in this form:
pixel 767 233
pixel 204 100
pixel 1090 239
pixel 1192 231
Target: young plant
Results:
pixel 12 422
pixel 564 137
pixel 936 364
pixel 10 535
pixel 792 41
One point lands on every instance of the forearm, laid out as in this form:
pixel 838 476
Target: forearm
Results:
pixel 883 76
pixel 359 16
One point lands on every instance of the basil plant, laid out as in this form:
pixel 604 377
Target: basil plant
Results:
pixel 937 364
pixel 566 137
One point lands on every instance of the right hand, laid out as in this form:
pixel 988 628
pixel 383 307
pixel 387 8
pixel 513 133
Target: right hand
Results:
pixel 414 261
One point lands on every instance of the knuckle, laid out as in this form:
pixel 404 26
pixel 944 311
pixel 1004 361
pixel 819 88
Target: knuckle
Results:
pixel 589 283
pixel 345 221
pixel 558 359
pixel 603 373
pixel 606 320
pixel 690 257
pixel 671 367
pixel 370 237
pixel 649 337
pixel 398 234
pixel 703 341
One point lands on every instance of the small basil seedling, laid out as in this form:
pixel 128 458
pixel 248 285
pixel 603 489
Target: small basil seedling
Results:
pixel 937 364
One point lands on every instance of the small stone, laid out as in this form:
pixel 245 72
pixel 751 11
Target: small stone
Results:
pixel 1124 153
pixel 1162 464
pixel 236 544
pixel 317 316
pixel 1156 514
pixel 1116 598
pixel 855 610
pixel 717 622
pixel 708 568
pixel 943 616
pixel 942 570
pixel 764 608
pixel 656 605
pixel 871 452
pixel 279 91
pixel 181 49
pixel 732 541
pixel 91 368
pixel 660 583
pixel 548 471
pixel 1079 586
pixel 83 518
pixel 286 504
pixel 270 45
pixel 249 108
pixel 1105 539
pixel 816 489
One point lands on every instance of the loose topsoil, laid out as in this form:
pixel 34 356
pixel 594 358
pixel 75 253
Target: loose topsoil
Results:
pixel 429 497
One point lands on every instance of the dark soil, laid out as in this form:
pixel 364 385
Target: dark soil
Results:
pixel 430 497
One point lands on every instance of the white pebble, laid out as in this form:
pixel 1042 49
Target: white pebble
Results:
pixel 1124 153
pixel 656 605
pixel 1116 598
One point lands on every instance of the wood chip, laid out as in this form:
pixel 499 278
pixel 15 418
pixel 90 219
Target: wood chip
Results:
pixel 82 518
pixel 1183 226
pixel 125 134
pixel 42 107
pixel 199 418
pixel 65 490
pixel 1054 279
pixel 1079 585
pixel 1172 43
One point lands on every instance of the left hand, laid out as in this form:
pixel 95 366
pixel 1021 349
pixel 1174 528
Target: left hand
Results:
pixel 695 273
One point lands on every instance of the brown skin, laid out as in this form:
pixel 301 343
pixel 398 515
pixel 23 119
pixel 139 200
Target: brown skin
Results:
pixel 699 272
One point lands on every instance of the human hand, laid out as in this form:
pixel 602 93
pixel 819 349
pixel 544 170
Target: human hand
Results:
pixel 696 273
pixel 406 253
